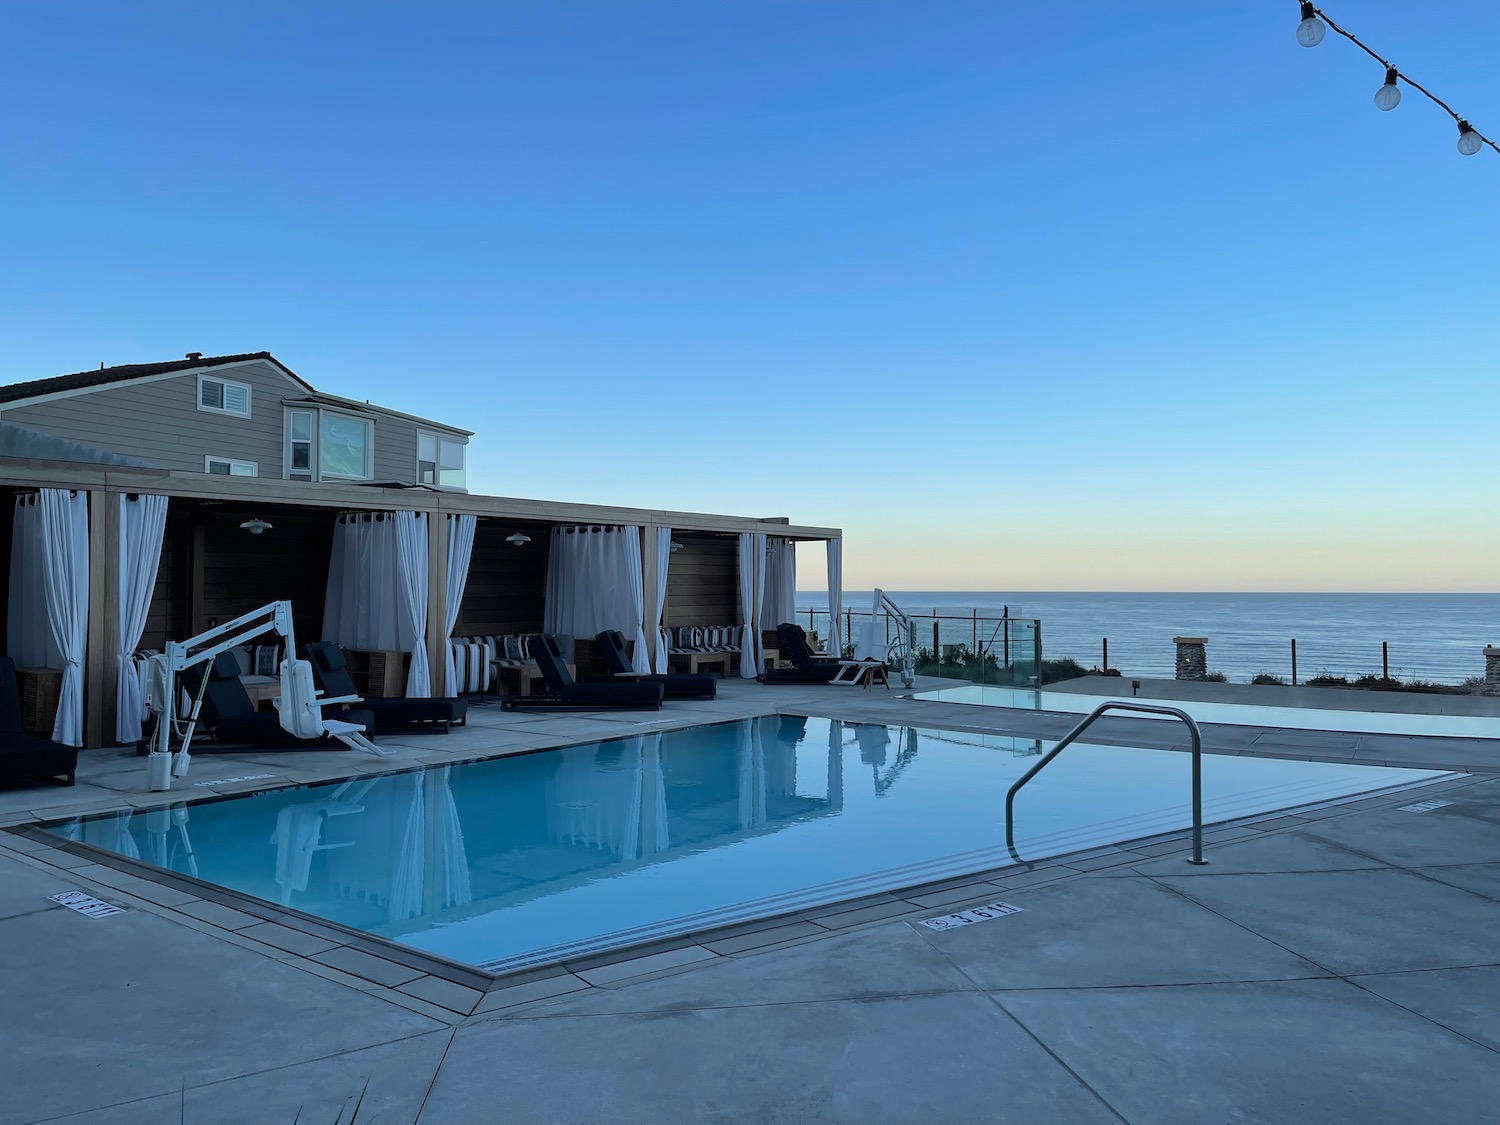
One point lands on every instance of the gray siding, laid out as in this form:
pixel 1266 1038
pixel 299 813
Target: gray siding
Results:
pixel 161 423
pixel 395 449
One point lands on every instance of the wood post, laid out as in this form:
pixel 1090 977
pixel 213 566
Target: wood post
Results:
pixel 99 666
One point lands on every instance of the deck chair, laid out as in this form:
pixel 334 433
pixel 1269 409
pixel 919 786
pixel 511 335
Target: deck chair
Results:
pixel 331 676
pixel 25 756
pixel 230 716
pixel 562 691
pixel 806 667
pixel 675 685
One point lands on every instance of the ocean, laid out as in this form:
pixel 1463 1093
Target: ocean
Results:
pixel 1438 637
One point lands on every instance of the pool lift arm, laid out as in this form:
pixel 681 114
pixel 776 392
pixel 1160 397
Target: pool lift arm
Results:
pixel 301 713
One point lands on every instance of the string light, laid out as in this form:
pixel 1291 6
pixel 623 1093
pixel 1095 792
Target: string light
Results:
pixel 1315 24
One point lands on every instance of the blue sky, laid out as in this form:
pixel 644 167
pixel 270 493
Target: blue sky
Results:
pixel 1096 296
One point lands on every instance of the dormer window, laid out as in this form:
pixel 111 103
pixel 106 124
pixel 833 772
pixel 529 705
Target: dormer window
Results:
pixel 221 396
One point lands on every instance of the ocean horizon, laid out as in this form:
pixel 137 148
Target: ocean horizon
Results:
pixel 1430 636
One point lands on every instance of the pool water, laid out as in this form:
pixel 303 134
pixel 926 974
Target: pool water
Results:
pixel 1290 718
pixel 534 858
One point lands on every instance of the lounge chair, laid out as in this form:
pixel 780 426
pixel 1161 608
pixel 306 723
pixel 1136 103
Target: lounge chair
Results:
pixel 806 667
pixel 678 685
pixel 25 756
pixel 331 676
pixel 230 716
pixel 562 691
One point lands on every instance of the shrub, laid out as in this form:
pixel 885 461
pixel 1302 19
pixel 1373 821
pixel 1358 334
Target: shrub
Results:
pixel 1323 679
pixel 1267 678
pixel 1098 671
pixel 1065 669
pixel 1377 683
pixel 1215 678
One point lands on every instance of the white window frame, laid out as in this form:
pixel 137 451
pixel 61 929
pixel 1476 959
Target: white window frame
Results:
pixel 288 472
pixel 367 422
pixel 439 438
pixel 226 383
pixel 233 465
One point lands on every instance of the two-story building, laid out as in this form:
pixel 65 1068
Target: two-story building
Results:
pixel 232 415
pixel 150 502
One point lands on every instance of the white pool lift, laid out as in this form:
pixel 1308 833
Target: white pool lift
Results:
pixel 300 707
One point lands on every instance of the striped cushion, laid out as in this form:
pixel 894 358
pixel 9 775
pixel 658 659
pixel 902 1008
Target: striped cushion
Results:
pixel 265 660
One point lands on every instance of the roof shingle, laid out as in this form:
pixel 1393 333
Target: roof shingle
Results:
pixel 105 375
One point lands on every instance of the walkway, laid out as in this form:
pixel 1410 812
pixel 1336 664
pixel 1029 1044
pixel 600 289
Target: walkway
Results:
pixel 1335 965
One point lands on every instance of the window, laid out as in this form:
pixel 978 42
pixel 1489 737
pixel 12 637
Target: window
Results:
pixel 224 467
pixel 440 460
pixel 299 438
pixel 220 396
pixel 344 446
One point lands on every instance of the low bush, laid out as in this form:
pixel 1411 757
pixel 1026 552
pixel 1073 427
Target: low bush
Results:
pixel 1323 679
pixel 1267 678
pixel 1065 669
pixel 1215 678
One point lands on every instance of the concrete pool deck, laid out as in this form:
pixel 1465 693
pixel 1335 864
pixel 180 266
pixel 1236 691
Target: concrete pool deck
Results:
pixel 1335 964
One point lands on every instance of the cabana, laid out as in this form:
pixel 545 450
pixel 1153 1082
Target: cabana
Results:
pixel 226 544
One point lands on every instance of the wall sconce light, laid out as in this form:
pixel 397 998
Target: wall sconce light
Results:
pixel 255 526
pixel 674 547
pixel 518 539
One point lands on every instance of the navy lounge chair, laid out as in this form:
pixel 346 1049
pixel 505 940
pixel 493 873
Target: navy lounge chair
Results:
pixel 25 756
pixel 562 691
pixel 679 685
pixel 331 676
pixel 230 716
pixel 806 668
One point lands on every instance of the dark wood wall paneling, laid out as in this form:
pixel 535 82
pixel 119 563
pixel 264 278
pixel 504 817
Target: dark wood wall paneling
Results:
pixel 7 532
pixel 237 572
pixel 703 582
pixel 507 587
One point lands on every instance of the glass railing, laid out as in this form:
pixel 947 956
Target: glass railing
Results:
pixel 1005 651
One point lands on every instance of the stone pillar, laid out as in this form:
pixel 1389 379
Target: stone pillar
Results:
pixel 1492 665
pixel 1192 662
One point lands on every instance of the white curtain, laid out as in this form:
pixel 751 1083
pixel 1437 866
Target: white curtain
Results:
pixel 411 575
pixel 362 608
pixel 594 583
pixel 460 549
pixel 65 573
pixel 749 665
pixel 663 557
pixel 28 638
pixel 143 522
pixel 835 594
pixel 781 582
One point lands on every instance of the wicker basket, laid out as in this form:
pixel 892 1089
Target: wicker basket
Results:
pixel 40 689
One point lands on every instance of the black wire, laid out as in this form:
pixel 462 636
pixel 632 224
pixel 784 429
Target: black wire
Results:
pixel 1414 85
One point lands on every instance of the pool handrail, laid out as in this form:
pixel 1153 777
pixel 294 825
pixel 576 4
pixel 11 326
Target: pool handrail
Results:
pixel 1072 736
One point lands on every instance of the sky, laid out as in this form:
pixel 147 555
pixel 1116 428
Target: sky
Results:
pixel 1096 296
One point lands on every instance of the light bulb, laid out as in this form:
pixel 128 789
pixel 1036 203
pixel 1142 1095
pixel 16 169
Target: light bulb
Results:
pixel 1311 30
pixel 1389 95
pixel 1468 140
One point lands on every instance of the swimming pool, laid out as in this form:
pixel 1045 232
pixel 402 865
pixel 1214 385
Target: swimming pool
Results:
pixel 1292 718
pixel 539 857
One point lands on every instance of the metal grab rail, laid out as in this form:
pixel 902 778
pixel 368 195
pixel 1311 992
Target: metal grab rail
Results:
pixel 1072 736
